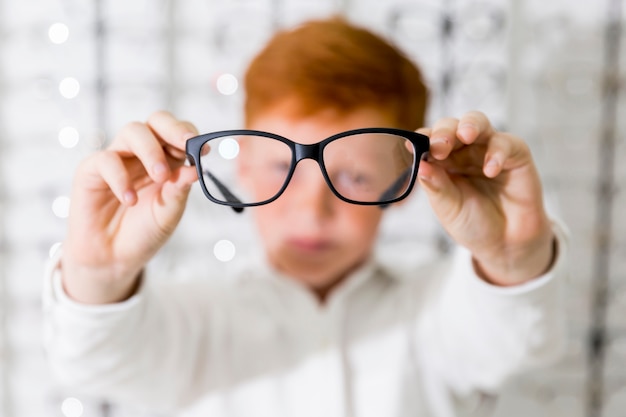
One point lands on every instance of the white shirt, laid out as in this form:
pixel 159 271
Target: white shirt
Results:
pixel 431 342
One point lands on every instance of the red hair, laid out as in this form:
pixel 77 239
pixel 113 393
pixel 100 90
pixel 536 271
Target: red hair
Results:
pixel 334 64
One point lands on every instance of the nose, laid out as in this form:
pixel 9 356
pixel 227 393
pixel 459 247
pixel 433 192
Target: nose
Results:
pixel 308 192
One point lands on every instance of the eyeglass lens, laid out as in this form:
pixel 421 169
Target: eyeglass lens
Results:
pixel 249 169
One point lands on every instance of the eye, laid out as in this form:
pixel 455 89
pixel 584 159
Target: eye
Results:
pixel 353 179
pixel 280 166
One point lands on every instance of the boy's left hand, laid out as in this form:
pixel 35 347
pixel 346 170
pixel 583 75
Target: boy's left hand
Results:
pixel 485 189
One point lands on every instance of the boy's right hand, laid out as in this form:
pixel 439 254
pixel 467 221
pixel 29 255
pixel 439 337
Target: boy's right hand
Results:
pixel 126 202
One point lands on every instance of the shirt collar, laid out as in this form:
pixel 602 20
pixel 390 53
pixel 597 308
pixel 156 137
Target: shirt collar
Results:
pixel 370 269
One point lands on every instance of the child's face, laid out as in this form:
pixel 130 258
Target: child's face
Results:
pixel 309 233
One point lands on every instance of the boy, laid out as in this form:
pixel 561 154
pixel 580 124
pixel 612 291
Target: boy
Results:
pixel 317 328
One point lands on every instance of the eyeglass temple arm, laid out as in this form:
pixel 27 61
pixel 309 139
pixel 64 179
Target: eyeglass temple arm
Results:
pixel 398 184
pixel 228 195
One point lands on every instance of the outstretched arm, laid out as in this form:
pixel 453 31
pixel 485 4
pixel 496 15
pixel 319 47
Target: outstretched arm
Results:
pixel 498 308
pixel 485 189
pixel 126 202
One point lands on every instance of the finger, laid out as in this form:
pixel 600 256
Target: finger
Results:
pixel 473 127
pixel 175 153
pixel 110 167
pixel 504 152
pixel 171 131
pixel 426 131
pixel 137 140
pixel 443 138
pixel 180 183
pixel 467 161
pixel 443 195
pixel 169 208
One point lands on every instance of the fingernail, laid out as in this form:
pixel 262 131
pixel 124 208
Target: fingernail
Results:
pixel 129 197
pixel 188 135
pixel 491 163
pixel 425 178
pixel 438 140
pixel 159 168
pixel 491 167
pixel 470 126
pixel 467 130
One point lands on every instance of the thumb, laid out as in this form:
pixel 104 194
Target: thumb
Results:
pixel 174 197
pixel 180 183
pixel 444 196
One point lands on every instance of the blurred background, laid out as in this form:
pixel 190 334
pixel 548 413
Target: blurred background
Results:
pixel 72 72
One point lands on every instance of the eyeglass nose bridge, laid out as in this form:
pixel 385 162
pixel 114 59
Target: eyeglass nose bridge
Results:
pixel 311 151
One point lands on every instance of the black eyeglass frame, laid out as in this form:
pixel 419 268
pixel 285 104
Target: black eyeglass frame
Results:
pixel 315 151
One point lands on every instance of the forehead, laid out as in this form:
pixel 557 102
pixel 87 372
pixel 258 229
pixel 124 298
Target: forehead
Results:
pixel 316 127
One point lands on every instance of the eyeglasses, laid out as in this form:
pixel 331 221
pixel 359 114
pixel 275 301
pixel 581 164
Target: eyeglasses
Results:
pixel 245 168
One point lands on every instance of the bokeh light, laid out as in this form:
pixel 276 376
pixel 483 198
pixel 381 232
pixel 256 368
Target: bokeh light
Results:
pixel 224 250
pixel 58 33
pixel 61 206
pixel 69 87
pixel 68 137
pixel 54 249
pixel 227 84
pixel 228 148
pixel 72 407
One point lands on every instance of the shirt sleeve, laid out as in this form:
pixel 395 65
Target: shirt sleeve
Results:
pixel 144 350
pixel 476 335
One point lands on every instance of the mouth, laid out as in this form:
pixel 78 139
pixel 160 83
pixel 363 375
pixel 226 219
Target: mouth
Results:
pixel 310 245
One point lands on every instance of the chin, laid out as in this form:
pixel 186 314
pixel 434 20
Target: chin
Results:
pixel 315 271
pixel 320 277
pixel 321 286
pixel 313 277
